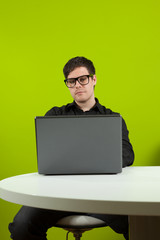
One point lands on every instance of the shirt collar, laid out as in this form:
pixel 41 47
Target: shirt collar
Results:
pixel 97 105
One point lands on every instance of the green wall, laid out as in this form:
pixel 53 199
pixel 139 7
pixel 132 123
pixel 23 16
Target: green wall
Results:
pixel 38 37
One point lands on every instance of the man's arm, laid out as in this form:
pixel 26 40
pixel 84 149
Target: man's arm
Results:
pixel 127 150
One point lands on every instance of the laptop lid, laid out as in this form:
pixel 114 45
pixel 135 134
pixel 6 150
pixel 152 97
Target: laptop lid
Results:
pixel 79 144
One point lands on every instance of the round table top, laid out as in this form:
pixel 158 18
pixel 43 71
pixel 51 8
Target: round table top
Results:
pixel 135 191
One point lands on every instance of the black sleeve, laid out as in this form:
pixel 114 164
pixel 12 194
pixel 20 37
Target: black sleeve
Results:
pixel 53 111
pixel 127 150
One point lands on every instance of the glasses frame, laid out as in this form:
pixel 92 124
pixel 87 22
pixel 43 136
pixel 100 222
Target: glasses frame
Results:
pixel 77 79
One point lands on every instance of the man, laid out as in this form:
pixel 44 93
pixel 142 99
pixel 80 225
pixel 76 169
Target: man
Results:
pixel 33 223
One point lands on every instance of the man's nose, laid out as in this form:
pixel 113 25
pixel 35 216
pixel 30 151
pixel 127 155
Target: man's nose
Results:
pixel 78 84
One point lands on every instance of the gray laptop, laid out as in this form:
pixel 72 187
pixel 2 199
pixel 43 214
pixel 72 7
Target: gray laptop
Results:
pixel 79 144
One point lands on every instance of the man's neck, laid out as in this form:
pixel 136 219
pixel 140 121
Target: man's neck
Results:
pixel 86 106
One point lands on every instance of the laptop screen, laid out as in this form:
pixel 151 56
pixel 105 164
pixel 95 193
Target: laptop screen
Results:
pixel 79 144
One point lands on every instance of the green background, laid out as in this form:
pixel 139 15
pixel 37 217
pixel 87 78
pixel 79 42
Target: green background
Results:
pixel 38 37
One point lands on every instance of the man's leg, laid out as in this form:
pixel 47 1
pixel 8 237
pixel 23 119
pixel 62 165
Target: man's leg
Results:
pixel 33 223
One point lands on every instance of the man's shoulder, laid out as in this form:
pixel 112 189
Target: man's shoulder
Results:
pixel 57 110
pixel 105 110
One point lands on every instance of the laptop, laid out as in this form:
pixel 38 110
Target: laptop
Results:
pixel 79 144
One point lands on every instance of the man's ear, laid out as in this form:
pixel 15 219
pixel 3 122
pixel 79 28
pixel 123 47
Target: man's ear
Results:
pixel 94 79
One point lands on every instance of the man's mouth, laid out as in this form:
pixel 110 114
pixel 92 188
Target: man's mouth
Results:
pixel 79 92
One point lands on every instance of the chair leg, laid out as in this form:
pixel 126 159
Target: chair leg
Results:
pixel 77 235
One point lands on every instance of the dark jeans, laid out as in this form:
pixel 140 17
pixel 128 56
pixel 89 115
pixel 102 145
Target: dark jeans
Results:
pixel 33 223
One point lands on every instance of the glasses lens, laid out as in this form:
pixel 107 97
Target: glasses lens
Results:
pixel 70 82
pixel 83 80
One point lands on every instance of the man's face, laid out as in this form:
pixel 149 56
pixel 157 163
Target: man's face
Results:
pixel 82 93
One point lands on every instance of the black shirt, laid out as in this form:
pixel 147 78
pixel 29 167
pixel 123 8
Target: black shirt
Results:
pixel 73 109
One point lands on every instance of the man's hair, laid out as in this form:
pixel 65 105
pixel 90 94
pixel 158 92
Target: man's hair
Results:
pixel 76 62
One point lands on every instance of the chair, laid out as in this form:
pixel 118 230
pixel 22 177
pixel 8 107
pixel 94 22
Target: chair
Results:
pixel 78 224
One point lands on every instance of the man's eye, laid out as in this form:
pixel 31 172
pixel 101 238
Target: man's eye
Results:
pixel 82 79
pixel 71 81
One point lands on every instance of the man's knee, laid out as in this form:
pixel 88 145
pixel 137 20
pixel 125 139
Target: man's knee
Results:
pixel 23 228
pixel 19 230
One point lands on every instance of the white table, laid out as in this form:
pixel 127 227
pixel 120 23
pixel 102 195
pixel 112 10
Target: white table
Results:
pixel 134 192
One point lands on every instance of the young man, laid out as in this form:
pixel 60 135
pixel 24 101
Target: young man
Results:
pixel 33 223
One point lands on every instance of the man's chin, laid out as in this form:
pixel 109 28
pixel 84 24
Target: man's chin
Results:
pixel 80 99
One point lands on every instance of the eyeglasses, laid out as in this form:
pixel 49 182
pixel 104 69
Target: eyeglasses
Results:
pixel 83 80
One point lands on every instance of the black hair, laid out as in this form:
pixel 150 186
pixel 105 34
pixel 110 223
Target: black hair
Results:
pixel 78 62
